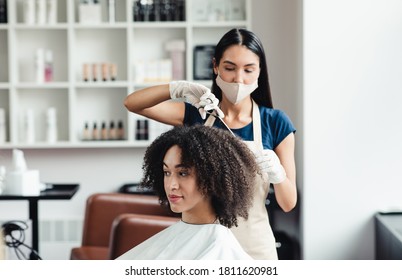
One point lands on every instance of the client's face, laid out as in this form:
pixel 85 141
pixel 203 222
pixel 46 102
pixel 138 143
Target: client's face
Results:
pixel 181 187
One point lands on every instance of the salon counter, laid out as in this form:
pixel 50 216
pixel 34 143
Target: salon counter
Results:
pixel 388 236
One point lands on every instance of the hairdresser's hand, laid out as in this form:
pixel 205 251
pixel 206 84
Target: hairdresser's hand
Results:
pixel 196 94
pixel 192 92
pixel 270 163
pixel 208 102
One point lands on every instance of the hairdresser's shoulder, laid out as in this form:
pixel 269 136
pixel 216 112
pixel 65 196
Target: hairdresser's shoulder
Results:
pixel 272 113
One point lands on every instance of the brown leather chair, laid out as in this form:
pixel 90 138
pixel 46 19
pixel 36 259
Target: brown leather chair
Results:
pixel 101 211
pixel 129 230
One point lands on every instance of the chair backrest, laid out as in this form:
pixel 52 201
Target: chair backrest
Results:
pixel 129 230
pixel 103 208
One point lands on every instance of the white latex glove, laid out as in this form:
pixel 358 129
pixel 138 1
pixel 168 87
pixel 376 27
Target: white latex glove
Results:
pixel 270 163
pixel 208 102
pixel 197 95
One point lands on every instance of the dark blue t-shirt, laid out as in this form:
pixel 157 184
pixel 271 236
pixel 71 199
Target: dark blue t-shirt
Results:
pixel 275 125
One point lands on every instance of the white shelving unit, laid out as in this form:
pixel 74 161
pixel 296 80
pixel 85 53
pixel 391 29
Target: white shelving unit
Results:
pixel 73 43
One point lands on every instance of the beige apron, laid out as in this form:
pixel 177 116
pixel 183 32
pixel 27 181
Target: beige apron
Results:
pixel 255 234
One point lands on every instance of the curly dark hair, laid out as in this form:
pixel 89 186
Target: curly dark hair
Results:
pixel 225 168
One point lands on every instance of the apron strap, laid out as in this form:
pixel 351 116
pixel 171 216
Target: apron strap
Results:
pixel 257 136
pixel 210 121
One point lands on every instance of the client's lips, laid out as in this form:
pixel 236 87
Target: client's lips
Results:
pixel 174 198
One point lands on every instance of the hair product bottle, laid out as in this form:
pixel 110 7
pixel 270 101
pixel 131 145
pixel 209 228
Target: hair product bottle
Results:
pixel 104 72
pixel 112 11
pixel 29 126
pixel 3 11
pixel 113 71
pixel 120 130
pixel 104 134
pixel 3 130
pixel 138 130
pixel 40 65
pixel 85 132
pixel 112 131
pixel 94 72
pixel 29 11
pixel 85 72
pixel 51 125
pixel 51 11
pixel 95 132
pixel 48 66
pixel 146 130
pixel 41 11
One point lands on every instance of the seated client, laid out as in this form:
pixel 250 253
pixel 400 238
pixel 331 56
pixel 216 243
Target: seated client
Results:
pixel 206 174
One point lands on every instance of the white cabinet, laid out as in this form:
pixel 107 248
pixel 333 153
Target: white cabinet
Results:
pixel 129 45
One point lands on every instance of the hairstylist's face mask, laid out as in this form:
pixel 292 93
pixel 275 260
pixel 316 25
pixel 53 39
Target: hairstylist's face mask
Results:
pixel 235 92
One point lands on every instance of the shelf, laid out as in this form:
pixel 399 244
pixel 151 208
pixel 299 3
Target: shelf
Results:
pixel 103 25
pixel 219 24
pixel 23 26
pixel 78 145
pixel 160 25
pixel 46 85
pixel 125 46
pixel 102 84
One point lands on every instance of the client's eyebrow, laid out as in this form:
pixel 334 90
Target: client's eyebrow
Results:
pixel 181 165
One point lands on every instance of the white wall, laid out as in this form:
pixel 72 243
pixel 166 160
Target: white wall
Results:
pixel 352 123
pixel 279 26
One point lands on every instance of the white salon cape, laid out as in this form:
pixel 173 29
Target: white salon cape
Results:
pixel 183 241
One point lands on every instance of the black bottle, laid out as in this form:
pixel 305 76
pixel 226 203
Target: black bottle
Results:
pixel 120 130
pixel 3 11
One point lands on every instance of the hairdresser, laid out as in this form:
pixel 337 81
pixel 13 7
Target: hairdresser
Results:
pixel 240 100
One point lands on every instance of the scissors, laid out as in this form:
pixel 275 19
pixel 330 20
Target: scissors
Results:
pixel 216 116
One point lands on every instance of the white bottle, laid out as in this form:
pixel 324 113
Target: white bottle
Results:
pixel 112 11
pixel 41 12
pixel 3 135
pixel 2 178
pixel 29 11
pixel 51 125
pixel 51 10
pixel 29 126
pixel 40 65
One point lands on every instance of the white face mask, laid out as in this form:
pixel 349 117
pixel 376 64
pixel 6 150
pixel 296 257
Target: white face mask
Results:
pixel 235 92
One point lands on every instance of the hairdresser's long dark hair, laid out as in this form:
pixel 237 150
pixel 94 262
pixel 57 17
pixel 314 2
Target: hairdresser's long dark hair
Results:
pixel 238 36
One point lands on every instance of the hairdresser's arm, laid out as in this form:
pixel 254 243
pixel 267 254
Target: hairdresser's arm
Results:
pixel 285 192
pixel 154 102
